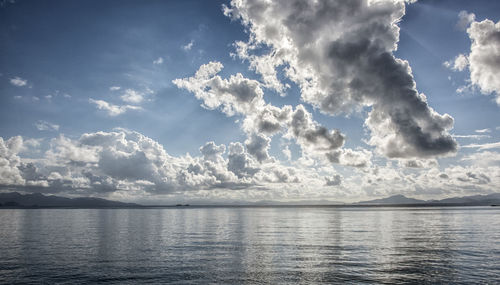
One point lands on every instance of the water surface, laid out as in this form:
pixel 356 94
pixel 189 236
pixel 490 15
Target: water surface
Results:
pixel 240 245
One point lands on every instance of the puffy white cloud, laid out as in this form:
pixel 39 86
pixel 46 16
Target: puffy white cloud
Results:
pixel 18 81
pixel 10 160
pixel 111 109
pixel 340 54
pixel 46 126
pixel 355 158
pixel 65 151
pixel 234 95
pixel 458 64
pixel 418 163
pixel 129 164
pixel 484 57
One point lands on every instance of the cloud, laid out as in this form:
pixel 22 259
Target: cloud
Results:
pixel 481 131
pixel 129 164
pixel 188 46
pixel 10 160
pixel 287 153
pixel 46 126
pixel 132 96
pixel 341 56
pixel 126 162
pixel 158 61
pixel 418 163
pixel 18 81
pixel 240 95
pixel 484 57
pixel 312 137
pixel 483 158
pixel 258 146
pixel 483 146
pixel 114 88
pixel 458 64
pixel 334 180
pixel 111 109
pixel 476 137
pixel 465 19
pixel 234 95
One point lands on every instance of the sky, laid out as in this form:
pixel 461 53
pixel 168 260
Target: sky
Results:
pixel 243 101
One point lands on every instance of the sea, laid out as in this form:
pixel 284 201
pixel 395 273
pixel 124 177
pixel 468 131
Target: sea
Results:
pixel 251 245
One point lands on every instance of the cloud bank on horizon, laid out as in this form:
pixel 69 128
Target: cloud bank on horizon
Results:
pixel 298 67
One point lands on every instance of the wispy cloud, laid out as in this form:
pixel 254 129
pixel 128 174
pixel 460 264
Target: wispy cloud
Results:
pixel 482 131
pixel 46 126
pixel 483 146
pixel 114 88
pixel 158 61
pixel 189 46
pixel 475 137
pixel 111 109
pixel 18 81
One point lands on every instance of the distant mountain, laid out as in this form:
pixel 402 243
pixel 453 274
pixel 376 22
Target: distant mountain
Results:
pixel 476 200
pixel 295 203
pixel 396 199
pixel 14 199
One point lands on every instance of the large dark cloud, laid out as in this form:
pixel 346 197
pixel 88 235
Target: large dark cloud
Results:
pixel 340 53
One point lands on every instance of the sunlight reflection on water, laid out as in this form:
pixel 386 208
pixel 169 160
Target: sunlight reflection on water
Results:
pixel 251 245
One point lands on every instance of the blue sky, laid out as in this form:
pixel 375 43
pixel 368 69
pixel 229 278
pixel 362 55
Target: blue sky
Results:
pixel 92 90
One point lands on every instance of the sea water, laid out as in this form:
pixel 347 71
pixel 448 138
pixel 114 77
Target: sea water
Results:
pixel 251 245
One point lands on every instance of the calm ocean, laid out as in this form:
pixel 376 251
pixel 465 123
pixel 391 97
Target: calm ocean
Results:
pixel 239 245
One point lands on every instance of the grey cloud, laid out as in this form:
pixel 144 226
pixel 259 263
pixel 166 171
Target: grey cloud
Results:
pixel 478 178
pixel 444 176
pixel 310 135
pixel 334 180
pixel 258 146
pixel 239 162
pixel 340 54
pixel 243 96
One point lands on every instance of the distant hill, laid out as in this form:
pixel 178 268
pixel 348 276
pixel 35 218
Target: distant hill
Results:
pixel 396 199
pixel 475 200
pixel 14 199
